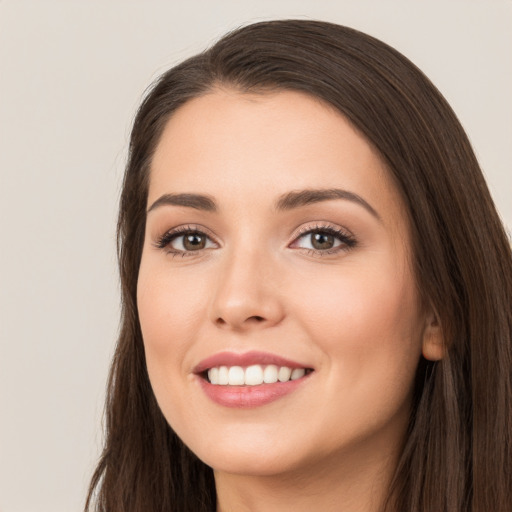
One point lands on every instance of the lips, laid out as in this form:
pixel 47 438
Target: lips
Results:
pixel 251 379
pixel 244 360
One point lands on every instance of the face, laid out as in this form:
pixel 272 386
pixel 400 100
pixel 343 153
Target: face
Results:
pixel 276 264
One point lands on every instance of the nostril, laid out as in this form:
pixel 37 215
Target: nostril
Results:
pixel 254 319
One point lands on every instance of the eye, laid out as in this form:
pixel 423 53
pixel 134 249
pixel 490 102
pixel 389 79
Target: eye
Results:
pixel 190 242
pixel 185 240
pixel 325 240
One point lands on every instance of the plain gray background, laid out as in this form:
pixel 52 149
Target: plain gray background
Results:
pixel 71 76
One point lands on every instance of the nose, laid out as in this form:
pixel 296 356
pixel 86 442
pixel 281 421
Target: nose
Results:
pixel 246 294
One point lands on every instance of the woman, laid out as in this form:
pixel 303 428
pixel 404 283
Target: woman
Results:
pixel 316 290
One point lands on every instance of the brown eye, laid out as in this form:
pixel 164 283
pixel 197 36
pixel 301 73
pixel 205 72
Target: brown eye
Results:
pixel 194 241
pixel 322 241
pixel 186 241
pixel 325 240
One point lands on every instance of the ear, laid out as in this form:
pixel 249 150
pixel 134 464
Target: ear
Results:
pixel 433 346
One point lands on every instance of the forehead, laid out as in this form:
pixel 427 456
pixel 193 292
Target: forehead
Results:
pixel 227 142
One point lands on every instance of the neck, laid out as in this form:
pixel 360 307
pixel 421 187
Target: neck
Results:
pixel 359 484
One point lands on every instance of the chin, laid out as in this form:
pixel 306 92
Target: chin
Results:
pixel 251 454
pixel 252 464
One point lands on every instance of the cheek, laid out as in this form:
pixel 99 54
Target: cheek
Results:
pixel 367 319
pixel 368 325
pixel 169 308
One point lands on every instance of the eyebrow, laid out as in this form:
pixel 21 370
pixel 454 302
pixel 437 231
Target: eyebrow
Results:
pixel 196 201
pixel 288 201
pixel 296 199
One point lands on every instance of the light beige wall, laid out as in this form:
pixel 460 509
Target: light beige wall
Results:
pixel 71 75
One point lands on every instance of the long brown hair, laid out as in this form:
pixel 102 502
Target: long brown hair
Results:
pixel 458 453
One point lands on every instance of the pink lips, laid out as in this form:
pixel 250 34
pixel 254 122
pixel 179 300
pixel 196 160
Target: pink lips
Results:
pixel 247 396
pixel 246 359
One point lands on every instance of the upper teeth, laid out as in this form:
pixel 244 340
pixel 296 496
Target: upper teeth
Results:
pixel 253 375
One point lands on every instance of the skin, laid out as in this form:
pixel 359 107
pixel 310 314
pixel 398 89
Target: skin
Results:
pixel 354 315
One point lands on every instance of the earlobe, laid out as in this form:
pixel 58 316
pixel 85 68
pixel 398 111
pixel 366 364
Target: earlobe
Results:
pixel 433 347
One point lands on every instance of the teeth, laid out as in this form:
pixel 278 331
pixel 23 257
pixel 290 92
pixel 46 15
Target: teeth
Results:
pixel 213 375
pixel 223 376
pixel 270 374
pixel 284 374
pixel 236 376
pixel 297 373
pixel 253 375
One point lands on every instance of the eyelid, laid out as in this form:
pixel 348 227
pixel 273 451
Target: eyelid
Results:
pixel 306 228
pixel 344 235
pixel 346 238
pixel 163 241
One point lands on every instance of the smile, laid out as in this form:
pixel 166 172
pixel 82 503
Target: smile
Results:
pixel 253 375
pixel 251 379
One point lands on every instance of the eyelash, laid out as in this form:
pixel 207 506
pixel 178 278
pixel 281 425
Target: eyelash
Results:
pixel 165 240
pixel 347 240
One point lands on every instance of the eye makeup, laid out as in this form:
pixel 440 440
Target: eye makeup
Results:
pixel 320 239
pixel 194 239
pixel 324 239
